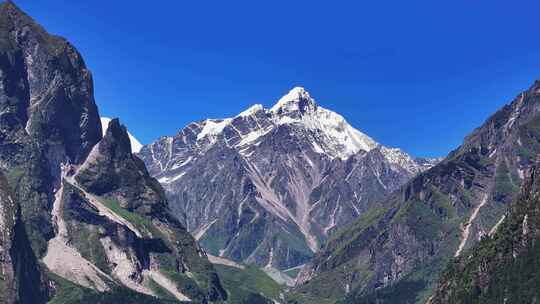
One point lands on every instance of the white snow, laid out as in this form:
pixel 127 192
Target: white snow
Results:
pixel 212 128
pixel 251 110
pixel 289 102
pixel 317 148
pixel 253 136
pixel 337 137
pixel 168 180
pixel 330 133
pixel 353 204
pixel 136 146
pixel 295 94
pixel 397 157
pixel 521 173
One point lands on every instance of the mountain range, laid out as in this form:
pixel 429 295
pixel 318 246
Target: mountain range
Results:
pixel 288 205
pixel 269 186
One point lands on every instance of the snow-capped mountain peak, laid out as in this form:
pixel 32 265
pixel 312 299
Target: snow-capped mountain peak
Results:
pixel 297 100
pixel 334 136
pixel 325 131
pixel 296 167
pixel 136 146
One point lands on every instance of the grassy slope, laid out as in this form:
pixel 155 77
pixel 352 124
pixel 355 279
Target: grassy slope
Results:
pixel 248 286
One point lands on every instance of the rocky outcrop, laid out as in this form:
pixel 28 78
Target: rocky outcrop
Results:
pixel 269 186
pixel 112 200
pixel 396 252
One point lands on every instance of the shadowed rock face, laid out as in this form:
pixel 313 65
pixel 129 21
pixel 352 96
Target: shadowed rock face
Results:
pixel 269 186
pixel 48 86
pixel 48 115
pixel 21 280
pixel 93 214
pixel 505 266
pixel 396 252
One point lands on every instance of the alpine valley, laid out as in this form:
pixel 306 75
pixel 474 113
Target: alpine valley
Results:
pixel 282 205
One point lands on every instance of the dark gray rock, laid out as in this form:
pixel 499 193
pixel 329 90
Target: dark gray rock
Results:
pixel 48 114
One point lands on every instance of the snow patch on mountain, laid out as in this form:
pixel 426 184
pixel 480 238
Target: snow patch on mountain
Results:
pixel 213 128
pixel 336 136
pixel 251 110
pixel 397 157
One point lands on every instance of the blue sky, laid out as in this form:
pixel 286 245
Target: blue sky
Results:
pixel 418 75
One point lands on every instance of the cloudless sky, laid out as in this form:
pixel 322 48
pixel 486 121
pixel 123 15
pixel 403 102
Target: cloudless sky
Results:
pixel 418 75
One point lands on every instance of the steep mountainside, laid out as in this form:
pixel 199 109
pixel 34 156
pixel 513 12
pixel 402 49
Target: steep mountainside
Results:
pixel 21 280
pixel 396 251
pixel 47 115
pixel 505 266
pixel 269 186
pixel 96 219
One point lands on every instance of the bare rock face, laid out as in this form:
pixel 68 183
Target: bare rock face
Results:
pixel 396 252
pixel 269 186
pixel 48 115
pixel 94 216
